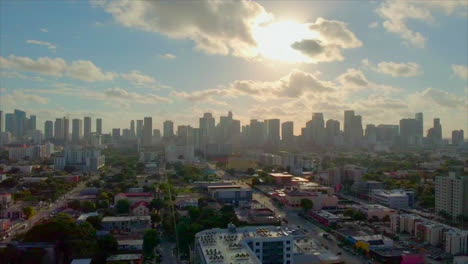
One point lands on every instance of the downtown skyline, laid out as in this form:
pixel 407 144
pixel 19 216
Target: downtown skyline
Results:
pixel 123 67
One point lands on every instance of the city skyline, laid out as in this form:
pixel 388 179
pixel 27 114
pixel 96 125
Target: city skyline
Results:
pixel 328 60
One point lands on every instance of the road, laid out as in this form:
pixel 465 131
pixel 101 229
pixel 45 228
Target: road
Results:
pixel 44 212
pixel 167 254
pixel 312 230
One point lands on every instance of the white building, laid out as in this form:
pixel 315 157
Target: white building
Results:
pixel 30 152
pixel 451 195
pixel 185 153
pixel 393 198
pixel 126 223
pixel 89 159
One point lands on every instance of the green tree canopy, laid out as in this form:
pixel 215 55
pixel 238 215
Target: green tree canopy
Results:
pixel 123 206
pixel 306 204
pixel 29 211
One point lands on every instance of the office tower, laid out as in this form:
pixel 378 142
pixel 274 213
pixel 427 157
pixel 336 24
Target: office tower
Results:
pixel 115 135
pixel 371 134
pixel 353 131
pixel 147 131
pixel 48 130
pixel 183 131
pixel 1 121
pixel 126 133
pixel 20 118
pixel 287 131
pixel 227 128
pixel 317 128
pixel 409 131
pixel 420 119
pixel 66 129
pixel 32 123
pixel 458 137
pixel 273 131
pixel 132 128
pixel 451 195
pixel 387 133
pixel 87 127
pixel 77 130
pixel 332 131
pixel 156 135
pixel 435 133
pixel 207 126
pixel 10 123
pixel 58 129
pixel 258 133
pixel 168 129
pixel 99 126
pixel 139 129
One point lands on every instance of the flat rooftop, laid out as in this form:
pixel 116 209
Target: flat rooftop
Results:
pixel 125 218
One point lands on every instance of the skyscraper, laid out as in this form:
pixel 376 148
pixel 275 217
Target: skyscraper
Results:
pixel 434 134
pixel 207 126
pixel 317 128
pixel 451 195
pixel 99 126
pixel 139 129
pixel 419 117
pixel 147 132
pixel 1 121
pixel 32 123
pixel 58 129
pixel 353 131
pixel 332 130
pixel 77 130
pixel 132 128
pixel 409 131
pixel 48 130
pixel 458 137
pixel 66 129
pixel 287 131
pixel 10 123
pixel 20 119
pixel 87 127
pixel 273 131
pixel 168 128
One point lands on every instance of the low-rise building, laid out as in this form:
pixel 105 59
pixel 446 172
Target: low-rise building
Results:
pixel 233 194
pixel 375 211
pixel 134 197
pixel 399 199
pixel 130 245
pixel 325 218
pixel 125 258
pixel 140 208
pixel 293 198
pixel 126 223
pixel 281 179
pixel 5 200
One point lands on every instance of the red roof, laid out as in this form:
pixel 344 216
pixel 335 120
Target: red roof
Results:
pixel 136 194
pixel 145 203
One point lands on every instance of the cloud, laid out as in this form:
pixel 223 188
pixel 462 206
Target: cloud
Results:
pixel 317 51
pixel 374 25
pixel 49 45
pixel 396 14
pixel 168 56
pixel 45 30
pixel 85 70
pixel 442 98
pixel 24 98
pixel 122 94
pixel 395 69
pixel 353 78
pixel 219 27
pixel 333 36
pixel 461 71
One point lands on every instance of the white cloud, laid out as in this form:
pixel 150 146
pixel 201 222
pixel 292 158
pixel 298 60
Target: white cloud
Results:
pixel 18 96
pixel 45 30
pixel 395 69
pixel 169 56
pixel 353 78
pixel 85 70
pixel 333 36
pixel 124 95
pixel 139 78
pixel 396 14
pixel 442 98
pixel 374 25
pixel 49 45
pixel 460 70
pixel 220 27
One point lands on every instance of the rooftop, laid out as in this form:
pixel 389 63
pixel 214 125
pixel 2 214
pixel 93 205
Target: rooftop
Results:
pixel 136 194
pixel 126 218
pixel 280 175
pixel 124 257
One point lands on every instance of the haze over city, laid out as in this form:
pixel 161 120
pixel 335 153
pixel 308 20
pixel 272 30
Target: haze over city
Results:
pixel 233 132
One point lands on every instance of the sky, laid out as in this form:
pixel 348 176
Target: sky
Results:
pixel 123 60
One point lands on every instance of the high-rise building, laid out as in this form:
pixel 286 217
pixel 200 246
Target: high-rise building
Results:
pixel 168 128
pixel 98 126
pixel 31 123
pixel 419 117
pixel 139 129
pixel 257 133
pixel 77 130
pixel 273 131
pixel 207 126
pixel 132 128
pixel 10 123
pixel 147 132
pixel 66 129
pixel 353 131
pixel 20 118
pixel 48 130
pixel 1 121
pixel 58 129
pixel 156 136
pixel 451 195
pixel 371 134
pixel 317 128
pixel 115 135
pixel 435 133
pixel 458 137
pixel 332 131
pixel 409 131
pixel 287 131
pixel 87 127
pixel 387 134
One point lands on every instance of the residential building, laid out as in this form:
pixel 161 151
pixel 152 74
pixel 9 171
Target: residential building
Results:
pixel 48 130
pixel 287 131
pixel 147 136
pixel 98 126
pixel 168 129
pixel 134 197
pixel 458 137
pixel 399 199
pixel 87 127
pixel 140 208
pixel 86 159
pixel 77 130
pixel 126 223
pixel 451 195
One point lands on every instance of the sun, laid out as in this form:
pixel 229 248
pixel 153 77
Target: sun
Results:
pixel 274 40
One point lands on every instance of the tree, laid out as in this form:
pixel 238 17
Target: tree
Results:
pixel 306 204
pixel 123 206
pixel 95 221
pixel 75 205
pixel 155 218
pixel 29 211
pixel 386 218
pixel 251 171
pixel 150 241
pixel 88 206
pixel 157 204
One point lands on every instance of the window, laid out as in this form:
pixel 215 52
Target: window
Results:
pixel 288 255
pixel 288 249
pixel 257 250
pixel 257 243
pixel 288 242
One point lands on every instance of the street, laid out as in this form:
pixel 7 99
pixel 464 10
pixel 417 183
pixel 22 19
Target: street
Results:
pixel 314 231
